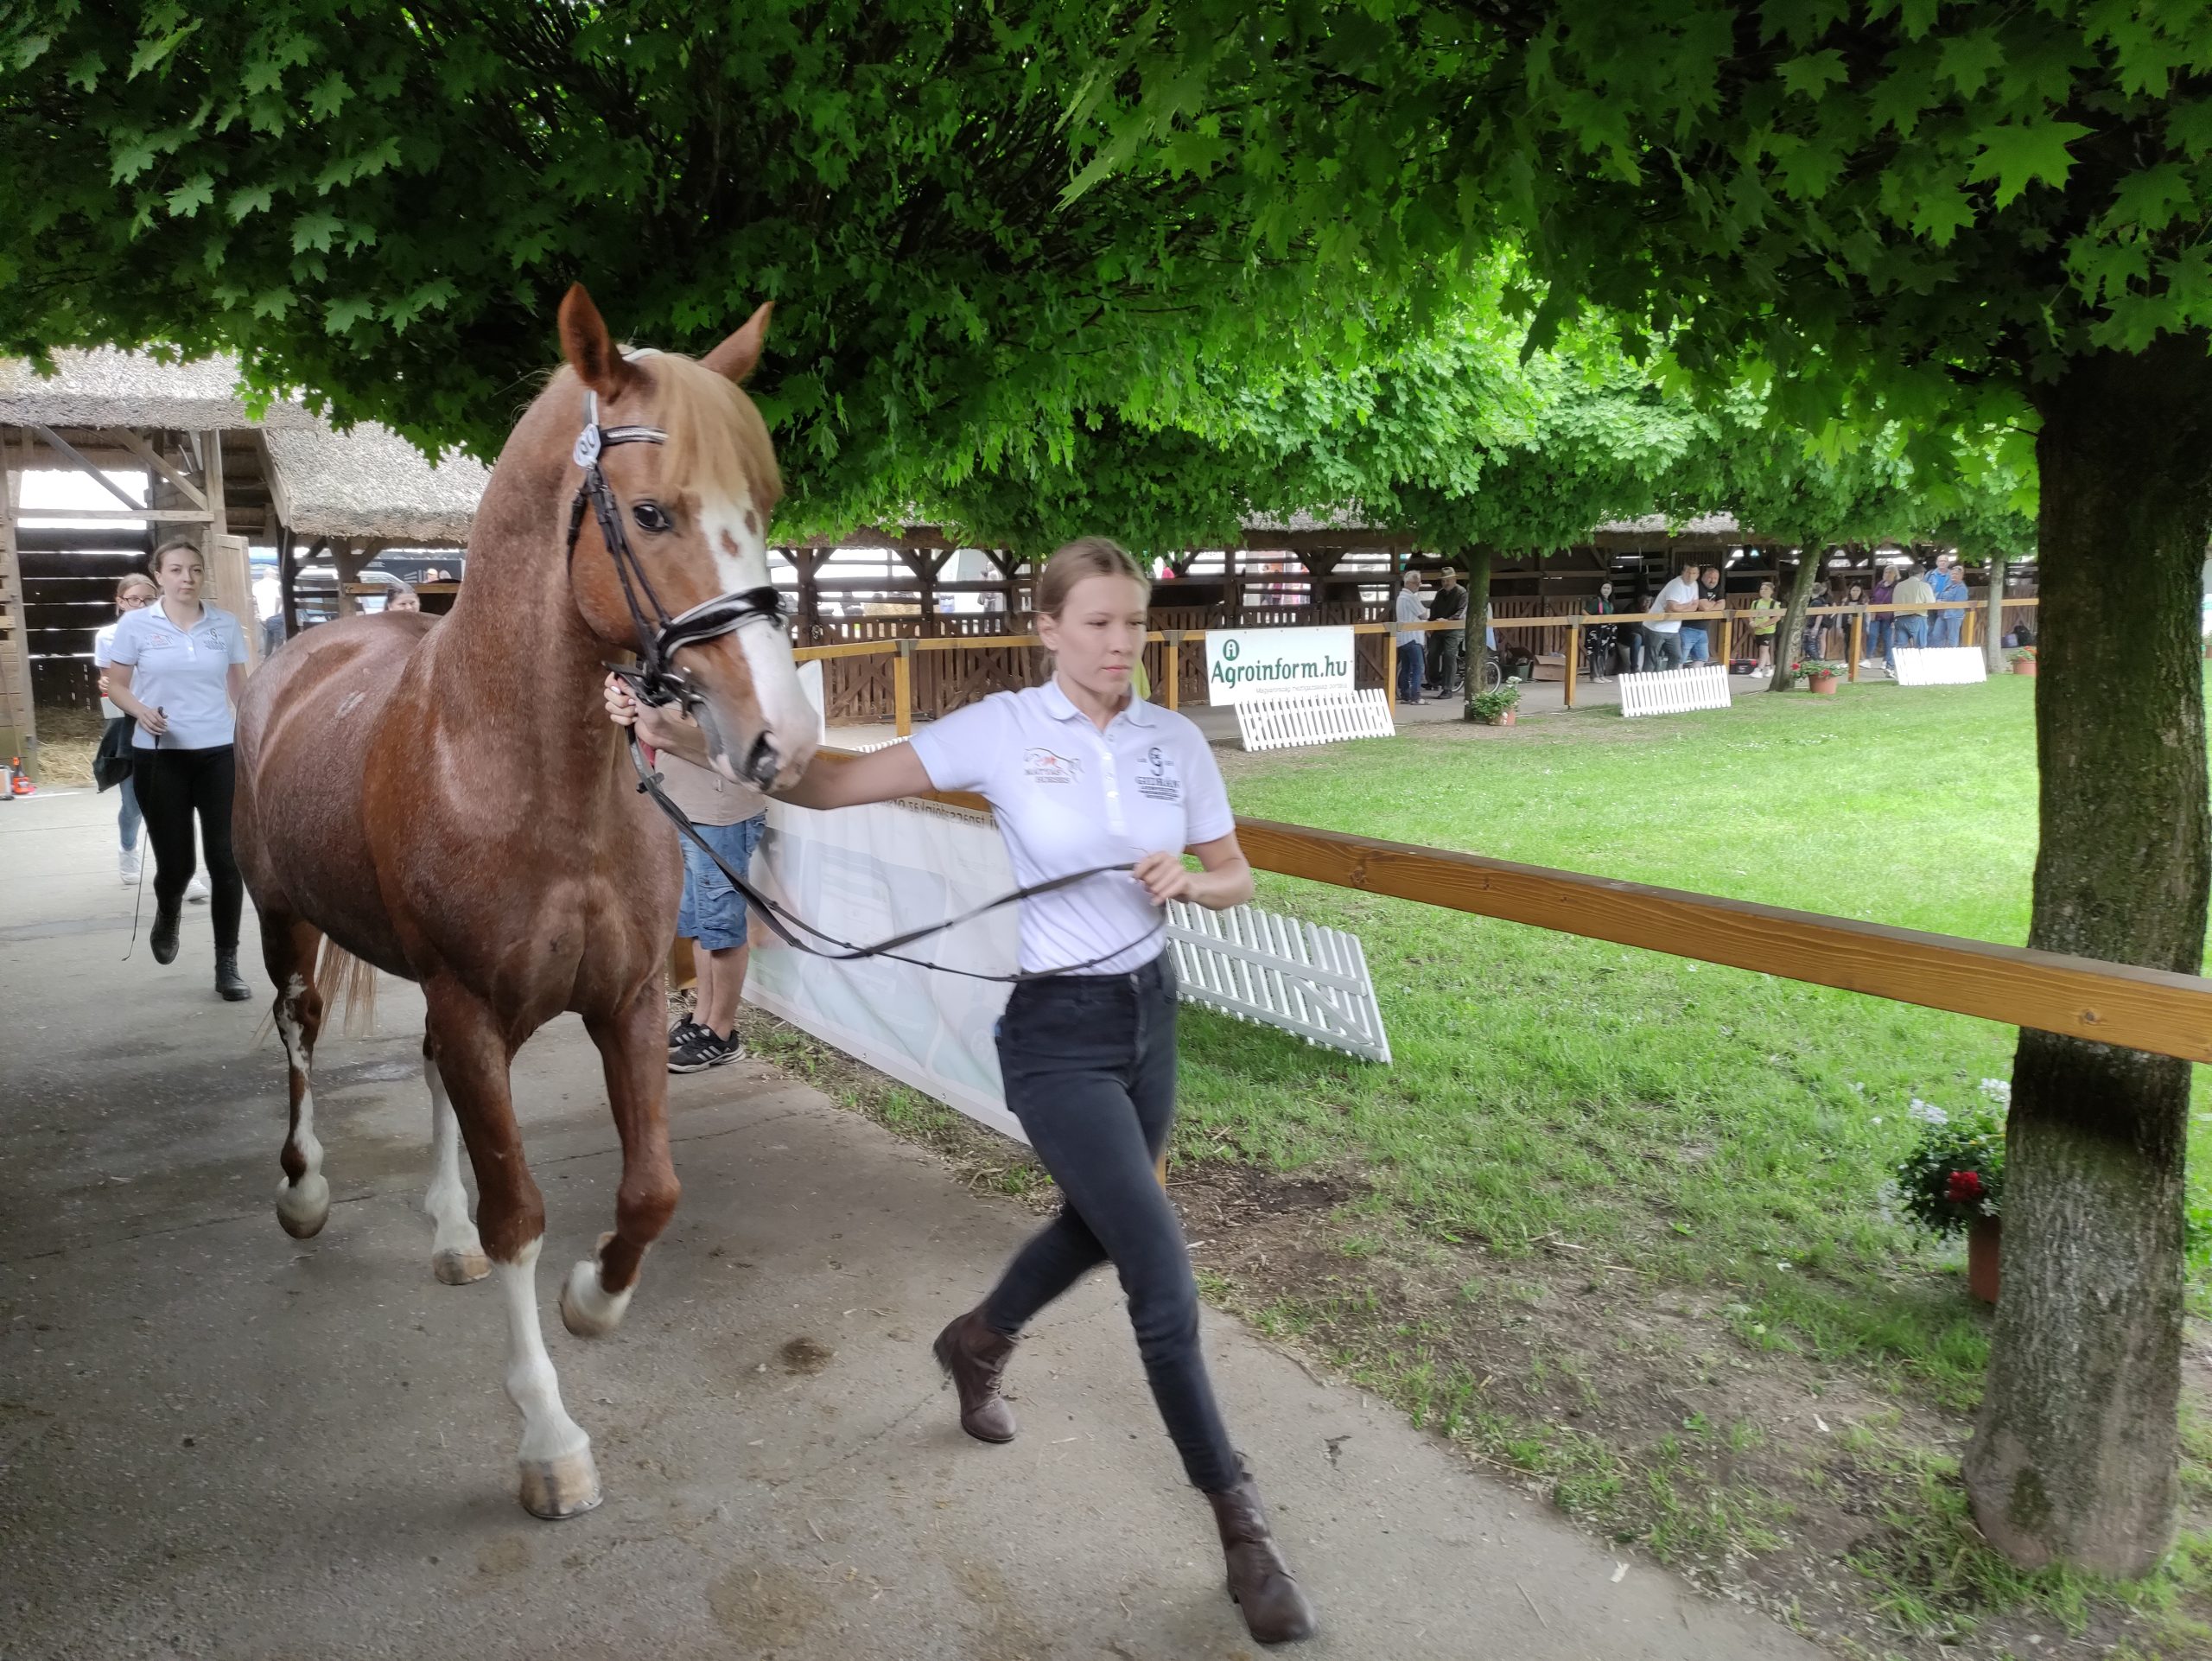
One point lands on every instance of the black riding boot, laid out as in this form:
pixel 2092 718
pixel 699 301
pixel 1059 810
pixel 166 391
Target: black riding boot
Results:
pixel 163 937
pixel 1275 1610
pixel 228 982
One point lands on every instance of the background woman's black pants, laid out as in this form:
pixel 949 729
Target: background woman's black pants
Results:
pixel 173 785
pixel 1089 1067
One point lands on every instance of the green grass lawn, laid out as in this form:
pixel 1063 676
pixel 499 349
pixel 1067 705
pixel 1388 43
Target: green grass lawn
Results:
pixel 1720 1141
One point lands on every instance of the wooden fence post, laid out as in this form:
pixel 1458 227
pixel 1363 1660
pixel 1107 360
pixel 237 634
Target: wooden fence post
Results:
pixel 1858 641
pixel 902 688
pixel 1174 675
pixel 1574 656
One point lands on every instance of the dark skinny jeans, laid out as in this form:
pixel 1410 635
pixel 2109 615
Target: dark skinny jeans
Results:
pixel 1089 1062
pixel 172 786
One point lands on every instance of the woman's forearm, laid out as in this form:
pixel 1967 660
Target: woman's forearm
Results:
pixel 1224 887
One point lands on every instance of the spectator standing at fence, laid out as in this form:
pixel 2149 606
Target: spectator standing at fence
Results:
pixel 1081 775
pixel 1944 627
pixel 1449 604
pixel 1410 610
pixel 1766 617
pixel 1602 638
pixel 1879 625
pixel 731 818
pixel 403 597
pixel 1663 640
pixel 177 668
pixel 135 591
pixel 1912 628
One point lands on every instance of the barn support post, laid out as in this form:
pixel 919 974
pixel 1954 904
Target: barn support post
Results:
pixel 18 717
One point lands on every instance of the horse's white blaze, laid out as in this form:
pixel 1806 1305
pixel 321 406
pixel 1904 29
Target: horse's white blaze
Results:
pixel 549 1434
pixel 456 1252
pixel 737 537
pixel 309 1200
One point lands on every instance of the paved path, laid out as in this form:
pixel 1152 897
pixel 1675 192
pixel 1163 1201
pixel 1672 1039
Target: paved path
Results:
pixel 215 1441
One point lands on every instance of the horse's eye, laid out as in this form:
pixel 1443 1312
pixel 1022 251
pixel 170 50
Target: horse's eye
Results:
pixel 651 516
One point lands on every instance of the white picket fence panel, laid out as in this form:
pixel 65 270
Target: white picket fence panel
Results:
pixel 1277 721
pixel 1673 692
pixel 1941 665
pixel 1263 967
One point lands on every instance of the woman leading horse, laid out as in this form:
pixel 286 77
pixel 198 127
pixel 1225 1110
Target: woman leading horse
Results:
pixel 443 803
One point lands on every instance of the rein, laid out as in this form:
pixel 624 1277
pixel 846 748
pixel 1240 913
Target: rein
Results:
pixel 784 920
pixel 656 681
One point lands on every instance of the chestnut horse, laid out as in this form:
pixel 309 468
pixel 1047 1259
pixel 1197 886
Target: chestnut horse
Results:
pixel 445 800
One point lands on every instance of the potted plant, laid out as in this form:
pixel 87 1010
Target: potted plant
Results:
pixel 1494 707
pixel 2023 659
pixel 1952 1181
pixel 1819 674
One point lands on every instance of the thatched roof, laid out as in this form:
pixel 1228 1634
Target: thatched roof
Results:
pixel 370 484
pixel 108 387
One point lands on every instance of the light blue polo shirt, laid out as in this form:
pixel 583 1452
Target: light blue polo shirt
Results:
pixel 185 673
pixel 1067 798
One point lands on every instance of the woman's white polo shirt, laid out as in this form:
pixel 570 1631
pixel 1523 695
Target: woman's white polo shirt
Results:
pixel 1067 798
pixel 183 673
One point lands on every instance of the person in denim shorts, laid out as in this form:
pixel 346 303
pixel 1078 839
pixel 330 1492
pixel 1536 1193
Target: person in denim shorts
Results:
pixel 730 818
pixel 1083 775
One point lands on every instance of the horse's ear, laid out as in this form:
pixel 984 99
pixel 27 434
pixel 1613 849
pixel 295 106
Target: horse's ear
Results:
pixel 735 357
pixel 588 347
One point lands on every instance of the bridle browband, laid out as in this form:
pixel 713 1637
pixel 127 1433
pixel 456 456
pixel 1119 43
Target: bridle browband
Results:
pixel 655 679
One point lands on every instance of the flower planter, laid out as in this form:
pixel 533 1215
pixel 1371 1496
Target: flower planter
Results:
pixel 1823 685
pixel 1982 1236
pixel 2024 666
pixel 1504 718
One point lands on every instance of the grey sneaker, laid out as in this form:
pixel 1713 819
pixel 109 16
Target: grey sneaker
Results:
pixel 700 1049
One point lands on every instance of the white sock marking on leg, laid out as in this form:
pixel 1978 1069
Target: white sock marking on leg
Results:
pixel 446 1199
pixel 548 1432
pixel 310 1197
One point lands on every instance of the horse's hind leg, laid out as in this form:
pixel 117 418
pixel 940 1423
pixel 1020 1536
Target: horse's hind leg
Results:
pixel 558 1477
pixel 287 947
pixel 634 1052
pixel 456 1254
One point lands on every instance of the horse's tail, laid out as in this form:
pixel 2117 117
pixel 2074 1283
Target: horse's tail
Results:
pixel 343 978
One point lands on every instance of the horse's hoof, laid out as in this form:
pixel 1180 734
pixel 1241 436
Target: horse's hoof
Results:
pixel 304 1207
pixel 588 1311
pixel 459 1266
pixel 556 1488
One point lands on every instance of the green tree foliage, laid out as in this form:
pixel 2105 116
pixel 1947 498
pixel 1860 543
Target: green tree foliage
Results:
pixel 382 205
pixel 1935 219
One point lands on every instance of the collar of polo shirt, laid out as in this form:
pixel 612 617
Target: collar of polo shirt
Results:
pixel 1063 707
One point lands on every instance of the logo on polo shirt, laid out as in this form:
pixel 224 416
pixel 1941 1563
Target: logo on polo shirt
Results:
pixel 1156 779
pixel 1046 766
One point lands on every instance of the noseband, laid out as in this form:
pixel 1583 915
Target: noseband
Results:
pixel 655 679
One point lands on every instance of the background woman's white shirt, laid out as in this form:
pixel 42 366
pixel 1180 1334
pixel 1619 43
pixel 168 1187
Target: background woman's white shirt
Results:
pixel 183 673
pixel 1068 798
pixel 102 638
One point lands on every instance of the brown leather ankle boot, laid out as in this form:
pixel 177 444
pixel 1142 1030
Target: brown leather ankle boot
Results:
pixel 973 1356
pixel 1275 1610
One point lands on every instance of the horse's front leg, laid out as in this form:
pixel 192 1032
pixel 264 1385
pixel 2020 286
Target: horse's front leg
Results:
pixel 633 1050
pixel 471 1055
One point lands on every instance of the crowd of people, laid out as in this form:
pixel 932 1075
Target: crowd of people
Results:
pixel 1680 628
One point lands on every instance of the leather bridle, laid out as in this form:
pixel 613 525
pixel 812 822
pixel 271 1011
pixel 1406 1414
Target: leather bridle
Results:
pixel 655 679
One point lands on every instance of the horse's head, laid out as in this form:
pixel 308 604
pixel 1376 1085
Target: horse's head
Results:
pixel 694 509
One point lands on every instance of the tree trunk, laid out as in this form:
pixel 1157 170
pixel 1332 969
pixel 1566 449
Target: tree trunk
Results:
pixel 1476 653
pixel 1992 637
pixel 2074 1455
pixel 1790 632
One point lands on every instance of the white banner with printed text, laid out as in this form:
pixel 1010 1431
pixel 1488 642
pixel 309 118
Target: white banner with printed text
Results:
pixel 1242 661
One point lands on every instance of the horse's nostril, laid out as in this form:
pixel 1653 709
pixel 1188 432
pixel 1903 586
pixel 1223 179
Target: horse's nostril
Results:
pixel 762 764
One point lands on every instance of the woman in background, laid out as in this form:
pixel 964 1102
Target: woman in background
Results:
pixel 135 590
pixel 177 668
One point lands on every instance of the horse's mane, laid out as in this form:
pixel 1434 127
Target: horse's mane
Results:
pixel 718 445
